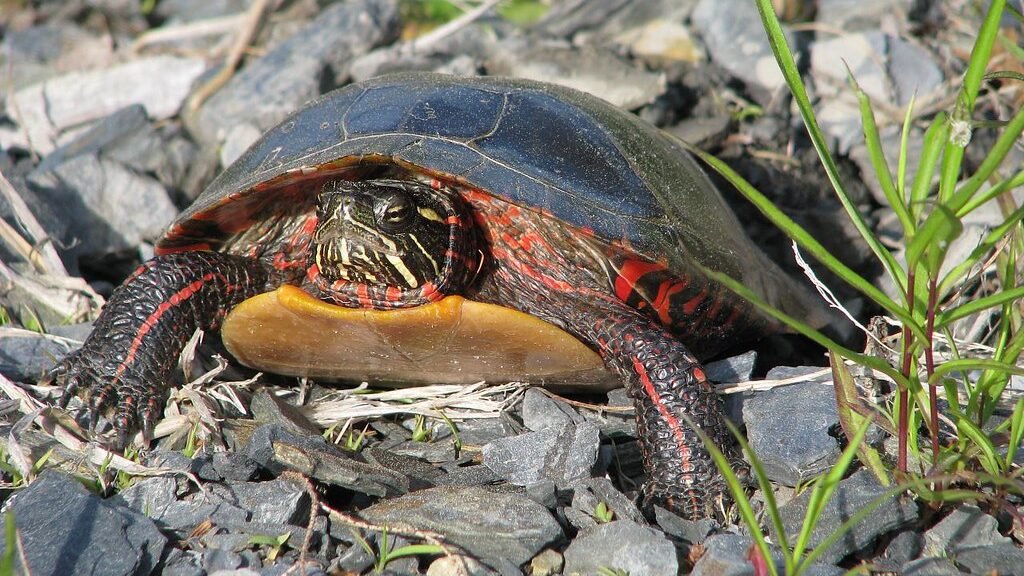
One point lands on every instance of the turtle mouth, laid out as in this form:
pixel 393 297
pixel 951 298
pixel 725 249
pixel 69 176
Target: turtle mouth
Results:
pixel 353 237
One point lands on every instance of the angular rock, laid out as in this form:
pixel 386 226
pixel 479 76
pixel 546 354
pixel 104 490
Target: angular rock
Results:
pixel 598 22
pixel 887 68
pixel 855 15
pixel 103 207
pixel 542 411
pixel 972 540
pixel 965 527
pixel 276 449
pixel 563 454
pixel 268 408
pixel 588 493
pixel 105 132
pixel 275 501
pixel 489 525
pixel 478 432
pixel 849 498
pixel 266 90
pixel 594 70
pixel 623 545
pixel 50 109
pixel 26 355
pixel 692 531
pixel 905 547
pixel 729 555
pixel 909 68
pixel 1000 558
pixel 930 567
pixel 183 563
pixel 547 563
pixel 736 369
pixel 157 498
pixel 36 53
pixel 732 32
pixel 458 566
pixel 234 466
pixel 793 449
pixel 663 42
pixel 87 536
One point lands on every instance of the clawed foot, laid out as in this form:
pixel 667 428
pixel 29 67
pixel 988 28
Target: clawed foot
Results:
pixel 126 400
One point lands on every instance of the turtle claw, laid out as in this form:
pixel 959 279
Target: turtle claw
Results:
pixel 126 404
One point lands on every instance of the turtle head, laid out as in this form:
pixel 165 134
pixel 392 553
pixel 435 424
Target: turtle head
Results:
pixel 390 243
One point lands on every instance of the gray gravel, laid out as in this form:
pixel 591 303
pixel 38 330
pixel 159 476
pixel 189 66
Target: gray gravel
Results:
pixel 100 148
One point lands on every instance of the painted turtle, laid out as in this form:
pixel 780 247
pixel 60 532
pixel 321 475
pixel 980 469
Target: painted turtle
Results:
pixel 429 200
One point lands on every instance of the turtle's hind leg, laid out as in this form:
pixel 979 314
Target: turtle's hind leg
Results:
pixel 124 365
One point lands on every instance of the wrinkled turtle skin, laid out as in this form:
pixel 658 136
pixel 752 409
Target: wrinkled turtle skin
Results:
pixel 405 191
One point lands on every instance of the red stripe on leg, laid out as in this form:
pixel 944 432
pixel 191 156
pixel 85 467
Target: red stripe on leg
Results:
pixel 673 423
pixel 151 321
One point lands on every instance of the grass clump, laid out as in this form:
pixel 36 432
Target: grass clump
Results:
pixel 963 451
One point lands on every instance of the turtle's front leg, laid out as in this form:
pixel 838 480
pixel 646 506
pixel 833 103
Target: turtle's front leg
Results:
pixel 666 382
pixel 124 365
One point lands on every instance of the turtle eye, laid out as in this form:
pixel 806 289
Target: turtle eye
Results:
pixel 394 211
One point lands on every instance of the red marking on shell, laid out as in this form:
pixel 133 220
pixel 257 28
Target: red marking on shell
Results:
pixel 195 247
pixel 662 302
pixel 690 306
pixel 630 274
pixel 716 306
pixel 733 317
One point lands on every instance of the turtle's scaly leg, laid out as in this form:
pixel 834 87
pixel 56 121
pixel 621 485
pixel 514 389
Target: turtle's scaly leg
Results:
pixel 548 270
pixel 667 384
pixel 126 362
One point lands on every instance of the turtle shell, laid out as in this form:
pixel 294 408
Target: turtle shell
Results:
pixel 567 154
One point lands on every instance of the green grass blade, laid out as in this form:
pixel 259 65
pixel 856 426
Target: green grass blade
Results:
pixel 1006 141
pixel 967 364
pixel 963 111
pixel 8 560
pixel 989 458
pixel 995 236
pixel 777 41
pixel 414 550
pixel 974 306
pixel 933 239
pixel 981 53
pixel 1016 432
pixel 934 142
pixel 877 156
pixel 1001 187
pixel 738 494
pixel 808 242
pixel 864 511
pixel 802 328
pixel 901 166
